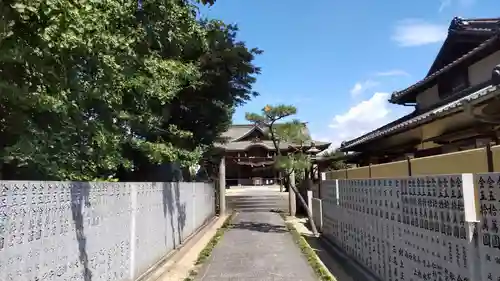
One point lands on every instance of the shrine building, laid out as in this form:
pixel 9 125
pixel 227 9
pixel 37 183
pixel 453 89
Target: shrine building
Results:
pixel 249 154
pixel 456 105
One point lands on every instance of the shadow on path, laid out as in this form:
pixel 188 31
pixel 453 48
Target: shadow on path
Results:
pixel 263 250
pixel 258 226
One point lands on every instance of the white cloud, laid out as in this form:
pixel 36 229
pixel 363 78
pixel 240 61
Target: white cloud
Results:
pixel 411 33
pixel 356 89
pixel 393 72
pixel 462 3
pixel 361 87
pixel 359 119
pixel 444 4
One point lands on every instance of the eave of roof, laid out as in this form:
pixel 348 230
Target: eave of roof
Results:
pixel 421 119
pixel 238 131
pixel 341 157
pixel 268 144
pixel 457 25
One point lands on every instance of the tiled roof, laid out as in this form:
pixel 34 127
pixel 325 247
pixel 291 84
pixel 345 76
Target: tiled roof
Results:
pixel 237 131
pixel 477 30
pixel 337 157
pixel 396 95
pixel 485 92
pixel 492 26
pixel 242 145
pixel 478 24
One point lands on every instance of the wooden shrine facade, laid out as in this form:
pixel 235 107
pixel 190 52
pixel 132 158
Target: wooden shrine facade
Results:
pixel 249 155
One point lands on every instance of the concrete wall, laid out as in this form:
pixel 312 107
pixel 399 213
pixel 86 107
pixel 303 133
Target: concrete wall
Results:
pixel 419 227
pixel 467 161
pixel 481 71
pixel 95 231
pixel 495 155
pixel 358 173
pixel 339 174
pixel 394 169
pixel 428 98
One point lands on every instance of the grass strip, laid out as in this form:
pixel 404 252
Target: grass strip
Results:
pixel 207 251
pixel 319 268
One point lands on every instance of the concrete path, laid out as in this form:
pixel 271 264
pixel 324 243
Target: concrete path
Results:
pixel 257 248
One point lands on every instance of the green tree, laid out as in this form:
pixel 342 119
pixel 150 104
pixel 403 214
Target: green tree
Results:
pixel 92 87
pixel 291 132
pixel 227 75
pixel 82 80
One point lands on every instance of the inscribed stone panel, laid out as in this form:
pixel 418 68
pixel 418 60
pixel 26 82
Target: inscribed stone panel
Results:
pixel 434 237
pixel 489 236
pixel 62 231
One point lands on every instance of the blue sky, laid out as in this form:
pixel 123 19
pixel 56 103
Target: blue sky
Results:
pixel 338 61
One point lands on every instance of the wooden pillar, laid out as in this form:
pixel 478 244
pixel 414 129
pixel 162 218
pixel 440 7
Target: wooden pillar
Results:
pixel 222 186
pixel 292 202
pixel 321 178
pixel 239 175
pixel 280 181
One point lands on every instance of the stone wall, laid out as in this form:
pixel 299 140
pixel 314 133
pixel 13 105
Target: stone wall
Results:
pixel 435 227
pixel 92 231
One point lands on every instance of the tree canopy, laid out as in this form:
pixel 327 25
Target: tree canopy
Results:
pixel 89 88
pixel 281 131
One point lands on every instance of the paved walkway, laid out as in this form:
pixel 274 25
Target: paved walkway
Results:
pixel 257 248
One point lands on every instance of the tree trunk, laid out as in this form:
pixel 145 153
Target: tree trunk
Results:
pixel 309 213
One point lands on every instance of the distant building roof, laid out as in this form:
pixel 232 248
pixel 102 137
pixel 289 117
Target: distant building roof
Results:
pixel 234 138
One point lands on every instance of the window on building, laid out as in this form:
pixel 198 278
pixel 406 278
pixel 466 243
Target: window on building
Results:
pixel 452 83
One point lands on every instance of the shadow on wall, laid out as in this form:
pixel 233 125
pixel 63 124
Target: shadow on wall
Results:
pixel 80 200
pixel 174 210
pixel 172 206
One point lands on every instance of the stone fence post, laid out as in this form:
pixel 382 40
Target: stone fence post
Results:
pixel 222 186
pixel 292 202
